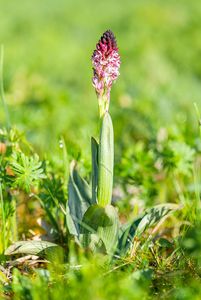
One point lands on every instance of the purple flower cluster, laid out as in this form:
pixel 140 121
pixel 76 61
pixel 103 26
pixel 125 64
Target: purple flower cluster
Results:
pixel 106 63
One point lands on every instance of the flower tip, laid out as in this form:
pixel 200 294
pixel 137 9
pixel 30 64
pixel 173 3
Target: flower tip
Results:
pixel 107 43
pixel 109 39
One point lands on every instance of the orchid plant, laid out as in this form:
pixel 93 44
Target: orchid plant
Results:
pixel 96 218
pixel 90 216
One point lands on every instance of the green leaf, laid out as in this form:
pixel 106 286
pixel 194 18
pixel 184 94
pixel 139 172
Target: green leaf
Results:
pixel 127 233
pixel 154 215
pixel 28 170
pixel 101 222
pixel 78 201
pixel 31 247
pixel 94 152
pixel 105 161
pixel 150 217
pixel 109 234
pixel 95 217
pixel 72 228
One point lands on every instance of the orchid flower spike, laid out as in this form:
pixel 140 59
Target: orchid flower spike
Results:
pixel 106 63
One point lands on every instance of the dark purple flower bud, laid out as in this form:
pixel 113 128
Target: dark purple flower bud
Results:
pixel 106 63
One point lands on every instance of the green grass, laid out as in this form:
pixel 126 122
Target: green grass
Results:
pixel 53 113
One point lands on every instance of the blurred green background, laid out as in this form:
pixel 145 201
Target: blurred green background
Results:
pixel 47 77
pixel 47 69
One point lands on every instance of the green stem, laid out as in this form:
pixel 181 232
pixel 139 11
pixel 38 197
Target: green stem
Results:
pixel 105 161
pixel 3 220
pixel 103 102
pixel 198 116
pixel 14 221
pixel 2 88
pixel 66 167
